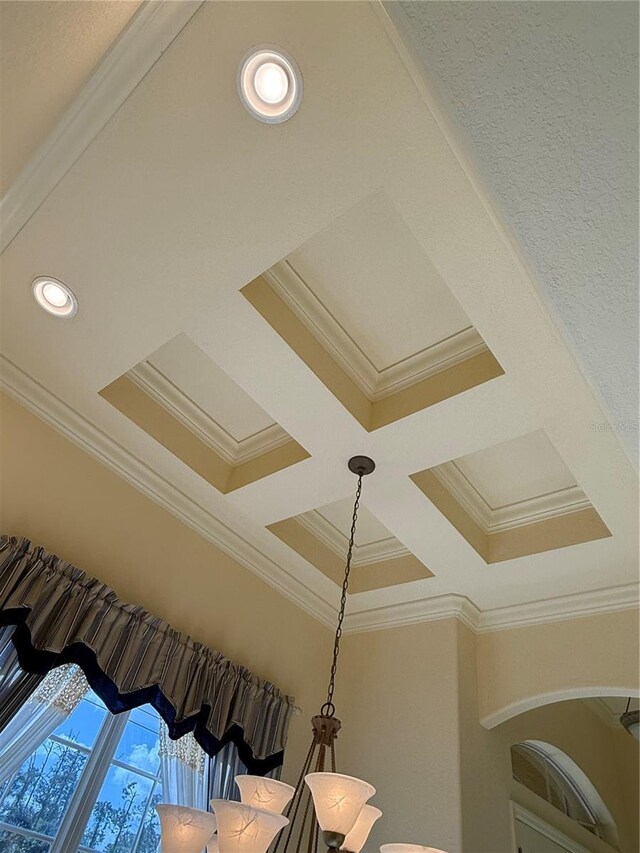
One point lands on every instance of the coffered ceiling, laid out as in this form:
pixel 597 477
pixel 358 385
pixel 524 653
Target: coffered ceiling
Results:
pixel 259 303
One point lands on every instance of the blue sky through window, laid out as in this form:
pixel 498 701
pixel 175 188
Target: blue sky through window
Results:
pixel 122 819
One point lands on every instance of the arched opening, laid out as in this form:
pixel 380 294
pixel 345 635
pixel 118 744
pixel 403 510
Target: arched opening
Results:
pixel 551 774
pixel 529 703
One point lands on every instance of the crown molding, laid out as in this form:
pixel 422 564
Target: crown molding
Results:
pixel 317 602
pixel 539 508
pixel 448 606
pixel 149 33
pixel 363 555
pixel 573 606
pixel 160 388
pixel 375 384
pixel 576 605
pixel 318 599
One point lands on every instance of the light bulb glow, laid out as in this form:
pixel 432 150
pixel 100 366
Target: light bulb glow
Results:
pixel 244 829
pixel 183 829
pixel 357 837
pixel 54 296
pixel 338 800
pixel 264 793
pixel 270 84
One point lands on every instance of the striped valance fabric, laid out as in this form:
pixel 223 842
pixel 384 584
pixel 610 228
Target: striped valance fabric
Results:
pixel 132 658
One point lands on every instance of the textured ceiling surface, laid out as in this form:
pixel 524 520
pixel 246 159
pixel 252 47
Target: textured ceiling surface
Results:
pixel 49 51
pixel 546 98
pixel 182 199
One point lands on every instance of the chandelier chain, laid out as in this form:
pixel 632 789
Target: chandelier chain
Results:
pixel 329 709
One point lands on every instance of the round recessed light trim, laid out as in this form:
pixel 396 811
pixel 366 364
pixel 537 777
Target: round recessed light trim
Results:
pixel 270 84
pixel 55 297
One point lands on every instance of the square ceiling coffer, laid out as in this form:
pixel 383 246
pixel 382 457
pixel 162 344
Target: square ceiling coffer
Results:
pixel 181 398
pixel 364 307
pixel 321 536
pixel 512 500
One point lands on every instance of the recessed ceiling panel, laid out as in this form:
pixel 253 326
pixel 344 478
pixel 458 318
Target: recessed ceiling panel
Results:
pixel 321 536
pixel 185 401
pixel 371 274
pixel 364 307
pixel 518 470
pixel 514 499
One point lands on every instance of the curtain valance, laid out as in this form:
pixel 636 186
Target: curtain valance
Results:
pixel 131 658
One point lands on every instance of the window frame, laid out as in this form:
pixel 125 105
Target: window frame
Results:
pixel 101 757
pixel 546 764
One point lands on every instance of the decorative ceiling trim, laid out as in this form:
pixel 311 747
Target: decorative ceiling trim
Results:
pixel 318 601
pixel 153 382
pixel 150 32
pixel 363 555
pixel 506 517
pixel 575 605
pixel 433 609
pixel 376 383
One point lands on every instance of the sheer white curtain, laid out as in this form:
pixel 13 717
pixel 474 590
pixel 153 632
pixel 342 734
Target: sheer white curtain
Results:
pixel 182 769
pixel 51 703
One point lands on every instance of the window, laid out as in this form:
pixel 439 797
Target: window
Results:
pixel 90 787
pixel 546 771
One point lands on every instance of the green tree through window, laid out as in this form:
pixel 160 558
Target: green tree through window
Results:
pixel 92 748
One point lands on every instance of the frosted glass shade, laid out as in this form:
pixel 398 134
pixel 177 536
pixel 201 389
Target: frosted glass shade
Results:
pixel 264 793
pixel 245 829
pixel 184 830
pixel 408 848
pixel 338 800
pixel 355 840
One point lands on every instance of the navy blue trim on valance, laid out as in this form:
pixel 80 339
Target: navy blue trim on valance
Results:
pixel 63 616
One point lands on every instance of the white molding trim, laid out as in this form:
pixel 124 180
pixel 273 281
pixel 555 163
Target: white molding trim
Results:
pixel 160 388
pixel 363 555
pixel 538 508
pixel 433 609
pixel 375 384
pixel 42 403
pixel 573 606
pixel 149 33
pixel 320 600
pixel 541 826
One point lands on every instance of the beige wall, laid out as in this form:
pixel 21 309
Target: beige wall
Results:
pixel 410 698
pixel 60 497
pixel 609 757
pixel 410 705
pixel 522 668
pixel 398 700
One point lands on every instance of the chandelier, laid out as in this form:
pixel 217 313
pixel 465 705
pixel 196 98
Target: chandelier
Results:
pixel 323 805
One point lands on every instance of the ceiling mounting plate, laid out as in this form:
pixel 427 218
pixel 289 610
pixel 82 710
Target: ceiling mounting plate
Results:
pixel 361 465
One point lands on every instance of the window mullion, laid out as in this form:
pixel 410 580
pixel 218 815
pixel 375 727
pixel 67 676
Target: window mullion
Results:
pixel 144 816
pixel 83 800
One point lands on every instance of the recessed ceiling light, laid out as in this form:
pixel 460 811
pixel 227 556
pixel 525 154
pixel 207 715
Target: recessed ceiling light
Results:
pixel 270 84
pixel 54 296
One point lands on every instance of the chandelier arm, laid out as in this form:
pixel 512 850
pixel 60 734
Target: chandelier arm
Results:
pixel 294 805
pixel 329 709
